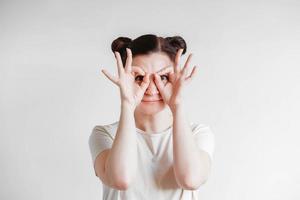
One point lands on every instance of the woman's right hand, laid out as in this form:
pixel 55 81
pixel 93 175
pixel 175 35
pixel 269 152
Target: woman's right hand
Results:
pixel 131 92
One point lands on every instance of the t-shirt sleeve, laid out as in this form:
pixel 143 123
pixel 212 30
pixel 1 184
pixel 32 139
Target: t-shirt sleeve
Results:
pixel 204 138
pixel 99 140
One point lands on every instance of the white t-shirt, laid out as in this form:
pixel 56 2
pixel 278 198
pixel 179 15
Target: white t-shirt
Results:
pixel 155 178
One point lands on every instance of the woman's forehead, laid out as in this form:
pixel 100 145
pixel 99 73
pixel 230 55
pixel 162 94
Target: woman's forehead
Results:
pixel 153 62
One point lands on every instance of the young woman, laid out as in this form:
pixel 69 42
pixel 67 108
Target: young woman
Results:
pixel 153 151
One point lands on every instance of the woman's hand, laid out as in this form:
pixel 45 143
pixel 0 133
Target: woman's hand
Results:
pixel 131 92
pixel 171 92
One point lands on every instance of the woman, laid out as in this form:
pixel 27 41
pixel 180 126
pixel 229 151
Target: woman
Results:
pixel 152 152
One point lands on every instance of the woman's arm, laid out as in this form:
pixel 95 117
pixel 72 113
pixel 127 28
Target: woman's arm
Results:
pixel 191 165
pixel 122 160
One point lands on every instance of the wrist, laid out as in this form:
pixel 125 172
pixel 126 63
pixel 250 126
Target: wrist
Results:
pixel 176 108
pixel 127 106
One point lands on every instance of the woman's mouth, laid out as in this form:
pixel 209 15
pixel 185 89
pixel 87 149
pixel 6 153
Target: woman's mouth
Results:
pixel 151 101
pixel 154 98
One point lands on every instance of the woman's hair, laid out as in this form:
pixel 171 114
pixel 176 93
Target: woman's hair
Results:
pixel 147 44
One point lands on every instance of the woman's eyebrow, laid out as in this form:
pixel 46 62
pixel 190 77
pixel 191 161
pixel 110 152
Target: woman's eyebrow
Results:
pixel 138 70
pixel 165 70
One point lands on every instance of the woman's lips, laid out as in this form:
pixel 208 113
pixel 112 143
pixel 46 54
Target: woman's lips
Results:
pixel 151 100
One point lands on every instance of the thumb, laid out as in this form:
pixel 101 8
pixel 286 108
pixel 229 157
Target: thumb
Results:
pixel 158 82
pixel 145 82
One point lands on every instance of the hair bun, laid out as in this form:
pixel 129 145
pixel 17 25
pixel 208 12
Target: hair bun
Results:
pixel 177 42
pixel 120 44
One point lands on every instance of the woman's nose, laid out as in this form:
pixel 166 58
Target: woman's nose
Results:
pixel 152 89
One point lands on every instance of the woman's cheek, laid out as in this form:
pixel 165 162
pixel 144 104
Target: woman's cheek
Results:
pixel 168 88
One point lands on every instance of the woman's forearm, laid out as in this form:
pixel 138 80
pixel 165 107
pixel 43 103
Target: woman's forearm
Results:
pixel 122 159
pixel 189 168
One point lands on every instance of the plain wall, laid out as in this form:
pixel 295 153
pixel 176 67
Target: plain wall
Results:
pixel 53 93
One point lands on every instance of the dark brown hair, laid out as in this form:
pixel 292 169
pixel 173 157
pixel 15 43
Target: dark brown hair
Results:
pixel 147 44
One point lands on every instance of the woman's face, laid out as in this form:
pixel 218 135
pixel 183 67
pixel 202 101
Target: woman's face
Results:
pixel 152 102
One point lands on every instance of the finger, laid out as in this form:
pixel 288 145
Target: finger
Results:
pixel 186 65
pixel 145 82
pixel 172 77
pixel 168 69
pixel 109 76
pixel 177 61
pixel 119 63
pixel 138 70
pixel 192 75
pixel 158 82
pixel 128 60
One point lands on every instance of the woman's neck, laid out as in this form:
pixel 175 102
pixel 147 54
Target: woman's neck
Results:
pixel 153 123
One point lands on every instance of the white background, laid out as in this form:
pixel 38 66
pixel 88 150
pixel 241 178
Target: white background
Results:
pixel 53 94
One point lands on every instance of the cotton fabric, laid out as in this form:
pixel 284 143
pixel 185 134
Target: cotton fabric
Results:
pixel 155 178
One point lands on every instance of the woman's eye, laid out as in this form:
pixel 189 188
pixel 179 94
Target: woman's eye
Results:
pixel 164 78
pixel 139 78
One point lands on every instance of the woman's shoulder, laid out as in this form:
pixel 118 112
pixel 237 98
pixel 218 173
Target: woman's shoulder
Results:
pixel 200 127
pixel 109 128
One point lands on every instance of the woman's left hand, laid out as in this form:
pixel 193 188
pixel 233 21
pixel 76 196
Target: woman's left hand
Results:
pixel 171 92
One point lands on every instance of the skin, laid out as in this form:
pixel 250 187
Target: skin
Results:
pixel 153 116
pixel 146 78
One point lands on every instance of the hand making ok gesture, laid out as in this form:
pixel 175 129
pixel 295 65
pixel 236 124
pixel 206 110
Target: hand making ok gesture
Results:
pixel 131 92
pixel 171 92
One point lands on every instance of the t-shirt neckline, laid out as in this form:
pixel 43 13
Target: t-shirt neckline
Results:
pixel 163 132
